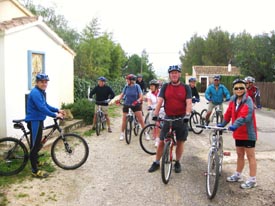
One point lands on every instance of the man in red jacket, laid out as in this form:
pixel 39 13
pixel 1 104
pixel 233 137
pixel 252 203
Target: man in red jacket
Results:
pixel 242 114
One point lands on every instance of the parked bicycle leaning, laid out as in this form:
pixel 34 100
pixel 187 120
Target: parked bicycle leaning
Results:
pixel 215 94
pixel 37 110
pixel 242 115
pixel 104 94
pixel 132 96
pixel 178 103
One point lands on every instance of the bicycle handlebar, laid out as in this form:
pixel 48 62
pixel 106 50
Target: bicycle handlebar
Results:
pixel 99 102
pixel 211 127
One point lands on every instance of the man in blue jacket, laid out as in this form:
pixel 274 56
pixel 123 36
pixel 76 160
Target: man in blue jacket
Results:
pixel 37 111
pixel 215 94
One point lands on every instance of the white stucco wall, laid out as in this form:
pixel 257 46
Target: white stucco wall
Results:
pixel 58 65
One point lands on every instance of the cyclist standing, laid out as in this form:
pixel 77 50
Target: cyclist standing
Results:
pixel 242 114
pixel 103 93
pixel 195 94
pixel 253 91
pixel 132 96
pixel 215 94
pixel 37 110
pixel 177 103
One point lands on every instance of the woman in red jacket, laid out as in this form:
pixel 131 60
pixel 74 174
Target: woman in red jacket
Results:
pixel 242 115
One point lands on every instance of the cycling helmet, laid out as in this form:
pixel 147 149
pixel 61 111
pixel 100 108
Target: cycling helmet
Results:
pixel 192 79
pixel 217 77
pixel 174 68
pixel 249 79
pixel 154 82
pixel 131 77
pixel 102 79
pixel 40 77
pixel 238 81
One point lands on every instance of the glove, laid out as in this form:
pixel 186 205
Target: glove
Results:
pixel 117 102
pixel 232 128
pixel 186 118
pixel 149 108
pixel 135 103
pixel 220 125
pixel 155 118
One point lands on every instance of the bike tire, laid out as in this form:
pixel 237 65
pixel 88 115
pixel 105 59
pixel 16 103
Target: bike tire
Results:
pixel 220 152
pixel 219 117
pixel 146 120
pixel 194 120
pixel 148 146
pixel 128 130
pixel 203 115
pixel 212 176
pixel 69 151
pixel 98 124
pixel 136 127
pixel 13 156
pixel 166 163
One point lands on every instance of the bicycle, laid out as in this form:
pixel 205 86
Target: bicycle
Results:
pixel 215 159
pixel 130 120
pixel 216 117
pixel 195 119
pixel 68 151
pixel 100 121
pixel 167 156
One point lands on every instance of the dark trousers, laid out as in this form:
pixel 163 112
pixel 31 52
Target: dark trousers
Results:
pixel 36 129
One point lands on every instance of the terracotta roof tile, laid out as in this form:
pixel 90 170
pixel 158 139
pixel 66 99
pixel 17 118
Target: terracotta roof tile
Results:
pixel 5 25
pixel 210 70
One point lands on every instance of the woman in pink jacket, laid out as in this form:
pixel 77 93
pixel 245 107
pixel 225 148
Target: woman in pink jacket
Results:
pixel 242 115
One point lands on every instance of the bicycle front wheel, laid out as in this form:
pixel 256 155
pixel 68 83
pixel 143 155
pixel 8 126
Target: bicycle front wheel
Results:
pixel 219 117
pixel 166 162
pixel 136 127
pixel 149 145
pixel 128 130
pixel 212 176
pixel 98 124
pixel 69 151
pixel 13 156
pixel 194 120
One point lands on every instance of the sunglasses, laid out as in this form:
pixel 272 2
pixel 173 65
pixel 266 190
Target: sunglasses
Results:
pixel 238 88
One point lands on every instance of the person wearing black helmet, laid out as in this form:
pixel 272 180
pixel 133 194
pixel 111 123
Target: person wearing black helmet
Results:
pixel 241 113
pixel 215 94
pixel 133 97
pixel 37 111
pixel 141 83
pixel 104 94
pixel 176 97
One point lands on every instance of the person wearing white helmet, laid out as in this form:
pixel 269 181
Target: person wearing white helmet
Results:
pixel 253 91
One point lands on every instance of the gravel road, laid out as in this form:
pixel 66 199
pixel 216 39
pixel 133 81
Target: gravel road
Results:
pixel 116 174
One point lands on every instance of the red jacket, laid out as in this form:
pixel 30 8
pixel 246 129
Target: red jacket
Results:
pixel 243 118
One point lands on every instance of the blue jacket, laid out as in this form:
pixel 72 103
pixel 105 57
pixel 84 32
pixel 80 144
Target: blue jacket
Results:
pixel 217 96
pixel 37 107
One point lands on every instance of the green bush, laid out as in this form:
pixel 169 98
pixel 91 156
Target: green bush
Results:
pixel 82 109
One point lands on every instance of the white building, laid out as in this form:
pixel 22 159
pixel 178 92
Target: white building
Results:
pixel 29 46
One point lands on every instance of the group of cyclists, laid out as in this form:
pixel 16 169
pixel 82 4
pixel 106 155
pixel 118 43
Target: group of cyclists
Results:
pixel 171 100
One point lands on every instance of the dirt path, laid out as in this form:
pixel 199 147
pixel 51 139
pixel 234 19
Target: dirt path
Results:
pixel 116 174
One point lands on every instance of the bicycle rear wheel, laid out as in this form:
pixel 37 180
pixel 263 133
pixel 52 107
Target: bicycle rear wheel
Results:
pixel 212 176
pixel 203 116
pixel 70 151
pixel 98 124
pixel 194 120
pixel 128 130
pixel 166 162
pixel 148 146
pixel 13 156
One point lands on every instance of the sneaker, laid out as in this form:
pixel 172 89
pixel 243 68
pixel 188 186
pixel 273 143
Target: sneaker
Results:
pixel 121 137
pixel 154 167
pixel 177 167
pixel 40 174
pixel 109 130
pixel 248 185
pixel 234 178
pixel 147 136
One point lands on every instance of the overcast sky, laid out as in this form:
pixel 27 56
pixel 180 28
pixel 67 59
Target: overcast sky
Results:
pixel 161 27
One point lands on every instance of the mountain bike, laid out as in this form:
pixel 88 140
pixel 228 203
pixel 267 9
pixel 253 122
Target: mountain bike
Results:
pixel 167 155
pixel 216 117
pixel 131 123
pixel 215 159
pixel 195 119
pixel 149 144
pixel 100 120
pixel 68 151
